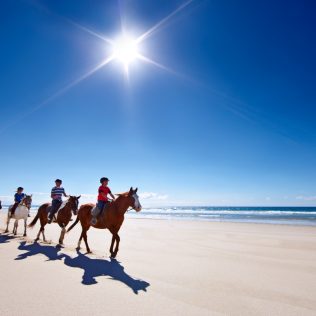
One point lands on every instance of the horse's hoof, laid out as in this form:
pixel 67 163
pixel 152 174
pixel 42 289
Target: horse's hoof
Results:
pixel 36 240
pixel 6 231
pixel 24 235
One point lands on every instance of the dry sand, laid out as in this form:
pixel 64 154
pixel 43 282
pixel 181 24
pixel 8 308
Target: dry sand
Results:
pixel 163 268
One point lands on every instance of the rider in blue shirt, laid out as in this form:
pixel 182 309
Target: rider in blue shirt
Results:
pixel 18 197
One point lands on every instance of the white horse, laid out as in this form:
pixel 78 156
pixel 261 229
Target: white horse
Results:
pixel 21 212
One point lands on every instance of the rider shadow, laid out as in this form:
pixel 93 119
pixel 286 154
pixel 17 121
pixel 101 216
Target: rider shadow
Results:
pixel 35 249
pixel 99 267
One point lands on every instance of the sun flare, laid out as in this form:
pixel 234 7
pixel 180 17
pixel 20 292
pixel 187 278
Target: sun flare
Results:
pixel 125 50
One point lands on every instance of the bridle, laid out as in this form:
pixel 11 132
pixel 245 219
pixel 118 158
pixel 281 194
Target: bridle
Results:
pixel 75 204
pixel 26 204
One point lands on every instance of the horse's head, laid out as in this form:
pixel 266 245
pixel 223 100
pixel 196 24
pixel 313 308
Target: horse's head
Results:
pixel 74 203
pixel 128 199
pixel 27 201
pixel 134 200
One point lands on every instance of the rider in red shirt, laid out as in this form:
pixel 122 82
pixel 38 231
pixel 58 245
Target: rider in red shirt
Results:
pixel 104 191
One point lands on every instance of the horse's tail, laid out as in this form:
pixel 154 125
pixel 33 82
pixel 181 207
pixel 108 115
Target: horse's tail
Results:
pixel 34 220
pixel 74 224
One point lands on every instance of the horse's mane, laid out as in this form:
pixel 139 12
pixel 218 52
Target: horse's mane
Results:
pixel 122 194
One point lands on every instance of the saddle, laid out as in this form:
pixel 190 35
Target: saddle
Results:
pixel 56 214
pixel 96 213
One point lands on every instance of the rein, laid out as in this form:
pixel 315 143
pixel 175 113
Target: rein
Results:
pixel 128 209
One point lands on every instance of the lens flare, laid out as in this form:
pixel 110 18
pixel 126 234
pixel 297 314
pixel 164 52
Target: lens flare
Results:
pixel 125 49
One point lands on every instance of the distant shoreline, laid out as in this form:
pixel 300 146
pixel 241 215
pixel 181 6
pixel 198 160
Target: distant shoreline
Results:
pixel 301 216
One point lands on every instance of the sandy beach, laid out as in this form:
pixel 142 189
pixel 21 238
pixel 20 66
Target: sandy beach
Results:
pixel 163 268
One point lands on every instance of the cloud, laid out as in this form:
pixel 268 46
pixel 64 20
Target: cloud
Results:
pixel 153 196
pixel 86 195
pixel 306 198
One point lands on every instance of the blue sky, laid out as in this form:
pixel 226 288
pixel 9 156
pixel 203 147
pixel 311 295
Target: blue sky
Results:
pixel 230 121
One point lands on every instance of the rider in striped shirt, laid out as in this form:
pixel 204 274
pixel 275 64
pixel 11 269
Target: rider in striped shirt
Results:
pixel 56 195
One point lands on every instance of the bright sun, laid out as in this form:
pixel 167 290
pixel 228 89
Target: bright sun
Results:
pixel 125 50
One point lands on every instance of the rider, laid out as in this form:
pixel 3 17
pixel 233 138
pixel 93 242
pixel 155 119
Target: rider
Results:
pixel 18 197
pixel 56 194
pixel 103 191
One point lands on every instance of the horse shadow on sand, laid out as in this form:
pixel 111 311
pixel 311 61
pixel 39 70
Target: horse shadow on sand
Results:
pixel 92 268
pixel 33 249
pixel 5 238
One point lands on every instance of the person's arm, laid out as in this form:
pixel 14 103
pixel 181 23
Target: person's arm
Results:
pixel 112 196
pixel 15 201
pixel 65 195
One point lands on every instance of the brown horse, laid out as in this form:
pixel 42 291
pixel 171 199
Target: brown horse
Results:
pixel 112 218
pixel 63 216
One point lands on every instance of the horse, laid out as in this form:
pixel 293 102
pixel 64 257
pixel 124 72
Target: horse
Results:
pixel 63 216
pixel 21 212
pixel 112 218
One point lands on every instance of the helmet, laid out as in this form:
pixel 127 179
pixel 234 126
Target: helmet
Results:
pixel 58 180
pixel 103 179
pixel 20 189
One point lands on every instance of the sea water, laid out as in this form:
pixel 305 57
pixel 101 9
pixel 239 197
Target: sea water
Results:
pixel 269 215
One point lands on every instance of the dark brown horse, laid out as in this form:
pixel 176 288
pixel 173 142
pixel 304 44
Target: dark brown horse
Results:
pixel 112 218
pixel 63 216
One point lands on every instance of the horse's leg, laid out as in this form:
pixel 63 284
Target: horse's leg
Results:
pixel 43 223
pixel 43 229
pixel 62 235
pixel 38 235
pixel 112 244
pixel 117 240
pixel 8 222
pixel 15 228
pixel 25 227
pixel 84 233
pixel 79 241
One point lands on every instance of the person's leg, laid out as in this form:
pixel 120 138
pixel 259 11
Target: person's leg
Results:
pixel 15 205
pixel 96 213
pixel 105 206
pixel 55 206
pixel 100 206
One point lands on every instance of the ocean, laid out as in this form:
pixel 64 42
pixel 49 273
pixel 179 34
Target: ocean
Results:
pixel 266 215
